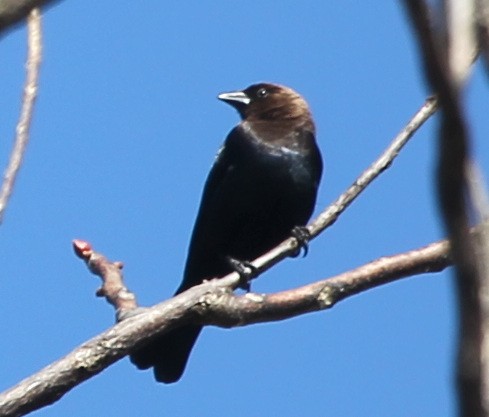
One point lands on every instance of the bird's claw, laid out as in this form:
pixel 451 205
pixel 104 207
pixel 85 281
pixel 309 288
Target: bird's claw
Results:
pixel 302 235
pixel 246 270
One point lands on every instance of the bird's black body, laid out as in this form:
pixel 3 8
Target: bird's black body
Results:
pixel 263 183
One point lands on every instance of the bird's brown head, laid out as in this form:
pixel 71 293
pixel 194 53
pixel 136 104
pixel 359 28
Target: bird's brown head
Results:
pixel 270 102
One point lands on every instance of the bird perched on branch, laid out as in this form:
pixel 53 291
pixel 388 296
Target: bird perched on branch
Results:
pixel 262 185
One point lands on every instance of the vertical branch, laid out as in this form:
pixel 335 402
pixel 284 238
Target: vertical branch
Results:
pixel 445 75
pixel 480 202
pixel 34 53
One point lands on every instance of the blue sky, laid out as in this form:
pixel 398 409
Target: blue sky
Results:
pixel 126 127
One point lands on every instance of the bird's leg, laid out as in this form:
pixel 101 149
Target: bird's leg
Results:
pixel 246 271
pixel 302 235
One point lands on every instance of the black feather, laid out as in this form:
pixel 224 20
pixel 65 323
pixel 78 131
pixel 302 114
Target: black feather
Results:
pixel 263 183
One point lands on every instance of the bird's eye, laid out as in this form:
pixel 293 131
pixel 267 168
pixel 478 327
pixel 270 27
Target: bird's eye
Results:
pixel 262 93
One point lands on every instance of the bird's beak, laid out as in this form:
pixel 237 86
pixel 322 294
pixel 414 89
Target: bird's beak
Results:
pixel 235 98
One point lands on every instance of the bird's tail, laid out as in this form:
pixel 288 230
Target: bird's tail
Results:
pixel 168 355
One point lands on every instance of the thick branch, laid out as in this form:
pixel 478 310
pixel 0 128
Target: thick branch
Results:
pixel 34 53
pixel 452 187
pixel 229 310
pixel 209 303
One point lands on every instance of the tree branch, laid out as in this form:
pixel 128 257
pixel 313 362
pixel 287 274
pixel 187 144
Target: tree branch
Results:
pixel 331 213
pixel 113 288
pixel 229 310
pixel 453 165
pixel 34 53
pixel 212 302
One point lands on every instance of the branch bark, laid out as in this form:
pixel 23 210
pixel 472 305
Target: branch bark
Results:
pixel 453 166
pixel 212 302
pixel 34 54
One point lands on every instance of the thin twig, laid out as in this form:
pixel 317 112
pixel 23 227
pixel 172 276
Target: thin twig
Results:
pixel 34 53
pixel 385 160
pixel 332 212
pixel 113 288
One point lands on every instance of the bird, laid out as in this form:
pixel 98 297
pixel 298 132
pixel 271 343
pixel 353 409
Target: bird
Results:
pixel 263 184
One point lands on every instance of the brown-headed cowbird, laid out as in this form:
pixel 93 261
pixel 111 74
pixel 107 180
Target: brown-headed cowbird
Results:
pixel 263 183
